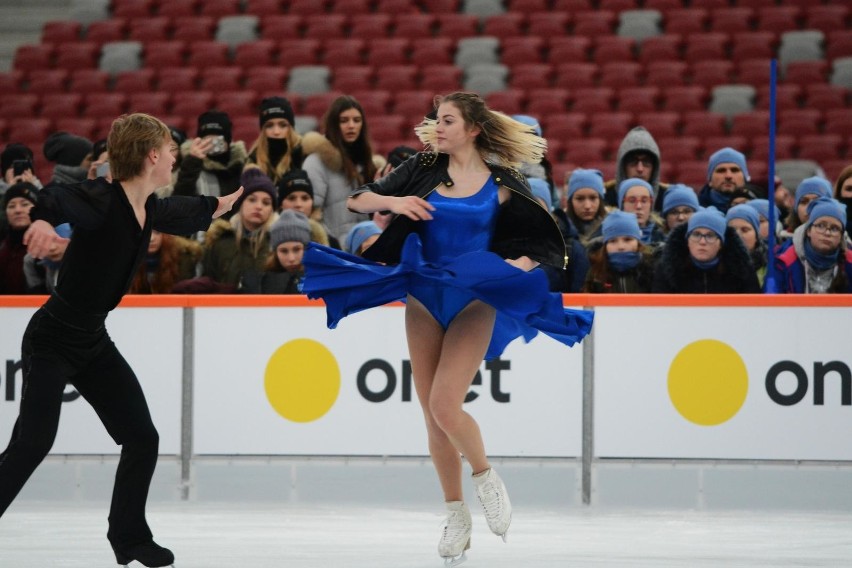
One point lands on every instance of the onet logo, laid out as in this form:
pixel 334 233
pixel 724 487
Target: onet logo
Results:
pixel 708 382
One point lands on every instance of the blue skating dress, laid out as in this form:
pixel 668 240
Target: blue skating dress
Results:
pixel 446 265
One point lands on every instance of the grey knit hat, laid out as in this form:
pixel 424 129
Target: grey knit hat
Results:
pixel 290 226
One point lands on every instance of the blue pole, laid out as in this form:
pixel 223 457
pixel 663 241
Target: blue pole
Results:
pixel 770 286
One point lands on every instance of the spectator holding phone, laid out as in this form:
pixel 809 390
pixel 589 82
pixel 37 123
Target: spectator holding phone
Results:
pixel 212 162
pixel 277 149
pixel 17 202
pixel 16 162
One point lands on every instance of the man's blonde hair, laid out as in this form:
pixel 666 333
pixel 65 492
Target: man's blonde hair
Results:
pixel 130 139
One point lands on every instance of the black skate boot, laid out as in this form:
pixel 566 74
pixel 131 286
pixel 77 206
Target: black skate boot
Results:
pixel 148 554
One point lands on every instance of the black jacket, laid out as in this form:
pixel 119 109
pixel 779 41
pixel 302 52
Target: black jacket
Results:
pixel 676 274
pixel 523 226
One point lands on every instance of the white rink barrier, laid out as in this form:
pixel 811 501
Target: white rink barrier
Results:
pixel 661 377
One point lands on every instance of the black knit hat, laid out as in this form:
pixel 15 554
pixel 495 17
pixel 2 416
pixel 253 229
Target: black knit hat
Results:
pixel 21 189
pixel 399 154
pixel 215 123
pixel 294 180
pixel 276 107
pixel 66 149
pixel 12 152
pixel 178 135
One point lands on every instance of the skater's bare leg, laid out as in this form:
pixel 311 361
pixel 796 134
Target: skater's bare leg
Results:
pixel 444 365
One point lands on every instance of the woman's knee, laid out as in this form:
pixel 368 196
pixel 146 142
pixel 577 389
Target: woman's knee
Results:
pixel 447 415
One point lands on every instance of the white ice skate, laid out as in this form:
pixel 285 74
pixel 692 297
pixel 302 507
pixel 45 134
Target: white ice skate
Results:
pixel 455 534
pixel 495 501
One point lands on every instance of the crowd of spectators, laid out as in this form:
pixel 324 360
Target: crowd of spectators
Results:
pixel 632 234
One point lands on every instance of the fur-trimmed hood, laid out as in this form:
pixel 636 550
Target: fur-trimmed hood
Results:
pixel 316 143
pixel 218 229
pixel 675 271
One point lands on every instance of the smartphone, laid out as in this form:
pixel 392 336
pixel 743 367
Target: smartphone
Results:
pixel 20 166
pixel 102 170
pixel 218 146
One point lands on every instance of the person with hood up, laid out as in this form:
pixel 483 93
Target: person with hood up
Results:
pixel 638 157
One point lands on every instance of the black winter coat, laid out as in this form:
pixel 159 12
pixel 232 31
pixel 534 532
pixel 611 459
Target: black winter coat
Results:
pixel 675 272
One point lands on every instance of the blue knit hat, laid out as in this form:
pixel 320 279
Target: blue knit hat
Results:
pixel 678 195
pixel 762 208
pixel 541 189
pixel 708 218
pixel 746 213
pixel 620 224
pixel 725 156
pixel 585 179
pixel 826 207
pixel 813 185
pixel 625 186
pixel 360 233
pixel 529 121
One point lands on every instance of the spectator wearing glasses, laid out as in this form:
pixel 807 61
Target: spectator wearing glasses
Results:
pixel 679 204
pixel 810 189
pixel 819 260
pixel 746 221
pixel 727 175
pixel 637 196
pixel 638 157
pixel 704 256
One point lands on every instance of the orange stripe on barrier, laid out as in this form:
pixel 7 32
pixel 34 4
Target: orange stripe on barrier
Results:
pixel 586 300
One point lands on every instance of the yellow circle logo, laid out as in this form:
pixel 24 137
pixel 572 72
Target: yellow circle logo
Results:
pixel 302 380
pixel 708 382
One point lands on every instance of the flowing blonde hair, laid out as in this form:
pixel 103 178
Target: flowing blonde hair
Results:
pixel 502 139
pixel 258 245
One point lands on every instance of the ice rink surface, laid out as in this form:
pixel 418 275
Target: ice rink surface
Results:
pixel 376 514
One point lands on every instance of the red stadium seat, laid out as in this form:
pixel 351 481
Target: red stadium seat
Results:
pixel 575 49
pixel 84 127
pixel 351 7
pixel 178 8
pixel 806 72
pixel 89 80
pixel 236 103
pixel 786 96
pixel 838 44
pixel 11 81
pixel 413 104
pixel 576 75
pixel 397 77
pixel 368 26
pixel 457 26
pixel 510 101
pixel 581 151
pixel 150 29
pixel 548 24
pixel 155 104
pixel 217 79
pixel 613 49
pixel 505 24
pixel 594 23
pixel 660 124
pixel 665 74
pixel 324 26
pixel 544 102
pixel 353 78
pixel 382 51
pixel 77 55
pixel 397 6
pixel 436 51
pixel 613 125
pixel 785 147
pixel 279 26
pixel 104 31
pixel 752 45
pixel 436 6
pixel 713 143
pixel 140 81
pixel 374 102
pixel 415 26
pixel 59 105
pixel 388 127
pixel 732 20
pixel 661 48
pixel 104 105
pixel 620 74
pixel 680 148
pixel 61 31
pixel 441 78
pixel 28 131
pixel 826 18
pixel 263 8
pixel 699 47
pixel 529 6
pixel 703 123
pixel 220 8
pixel 778 19
pixel 255 53
pixel 266 79
pixel 175 79
pixel 191 104
pixel 195 28
pixel 756 72
pixel 712 72
pixel 42 81
pixel 293 53
pixel 159 54
pixel 317 105
pixel 686 21
pixel 828 97
pixel 638 99
pixel 531 76
pixel 521 50
pixel 593 99
pixel 685 98
pixel 565 126
pixel 751 124
pixel 208 54
pixel 132 8
pixel 820 147
pixel 838 121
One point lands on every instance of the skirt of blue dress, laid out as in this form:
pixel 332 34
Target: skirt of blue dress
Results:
pixel 524 305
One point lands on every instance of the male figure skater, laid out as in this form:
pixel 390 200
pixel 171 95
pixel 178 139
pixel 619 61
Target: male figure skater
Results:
pixel 66 341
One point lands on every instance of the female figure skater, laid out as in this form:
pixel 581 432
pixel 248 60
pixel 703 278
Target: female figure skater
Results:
pixel 469 291
pixel 66 341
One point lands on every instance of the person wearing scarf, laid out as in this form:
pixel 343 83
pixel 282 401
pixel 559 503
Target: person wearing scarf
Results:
pixel 818 261
pixel 620 263
pixel 726 172
pixel 705 256
pixel 637 196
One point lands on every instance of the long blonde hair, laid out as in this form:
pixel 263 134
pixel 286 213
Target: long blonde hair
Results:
pixel 260 149
pixel 502 139
pixel 257 243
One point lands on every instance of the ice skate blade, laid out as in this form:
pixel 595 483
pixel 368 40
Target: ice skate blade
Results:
pixel 455 560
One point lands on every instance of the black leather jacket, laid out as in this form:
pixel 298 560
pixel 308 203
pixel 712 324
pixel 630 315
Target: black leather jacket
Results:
pixel 523 226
